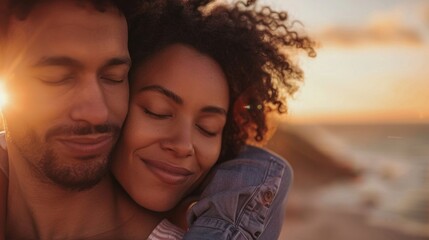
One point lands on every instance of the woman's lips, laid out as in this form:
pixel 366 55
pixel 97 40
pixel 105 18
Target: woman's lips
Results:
pixel 87 145
pixel 168 173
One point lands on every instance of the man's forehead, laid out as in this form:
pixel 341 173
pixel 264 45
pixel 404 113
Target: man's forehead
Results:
pixel 67 17
pixel 67 29
pixel 23 8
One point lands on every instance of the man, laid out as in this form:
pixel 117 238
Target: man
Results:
pixel 66 75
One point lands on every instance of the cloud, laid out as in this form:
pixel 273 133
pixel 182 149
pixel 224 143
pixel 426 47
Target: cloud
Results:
pixel 381 29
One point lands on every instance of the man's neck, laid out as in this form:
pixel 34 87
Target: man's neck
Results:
pixel 40 210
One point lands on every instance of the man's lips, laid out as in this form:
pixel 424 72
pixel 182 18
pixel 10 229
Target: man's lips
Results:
pixel 168 173
pixel 87 145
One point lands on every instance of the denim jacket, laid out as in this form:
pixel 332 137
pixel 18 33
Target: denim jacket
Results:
pixel 244 198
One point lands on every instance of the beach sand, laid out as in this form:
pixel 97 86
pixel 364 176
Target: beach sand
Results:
pixel 307 216
pixel 332 224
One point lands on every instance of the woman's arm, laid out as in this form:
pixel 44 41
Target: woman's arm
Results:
pixel 244 199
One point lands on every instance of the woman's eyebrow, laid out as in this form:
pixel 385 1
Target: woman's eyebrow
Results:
pixel 177 99
pixel 214 109
pixel 163 91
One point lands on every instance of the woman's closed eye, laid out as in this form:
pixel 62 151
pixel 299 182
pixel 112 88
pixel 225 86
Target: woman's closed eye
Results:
pixel 156 115
pixel 206 132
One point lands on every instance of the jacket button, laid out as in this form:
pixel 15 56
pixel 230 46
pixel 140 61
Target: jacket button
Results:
pixel 267 197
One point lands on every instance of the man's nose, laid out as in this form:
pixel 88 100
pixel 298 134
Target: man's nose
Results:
pixel 89 103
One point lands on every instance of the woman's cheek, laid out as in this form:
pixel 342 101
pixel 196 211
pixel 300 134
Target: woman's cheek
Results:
pixel 210 150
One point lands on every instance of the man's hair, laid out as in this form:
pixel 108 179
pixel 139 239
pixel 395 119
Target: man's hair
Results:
pixel 252 46
pixel 21 8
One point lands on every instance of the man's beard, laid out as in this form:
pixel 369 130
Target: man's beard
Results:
pixel 47 165
pixel 75 178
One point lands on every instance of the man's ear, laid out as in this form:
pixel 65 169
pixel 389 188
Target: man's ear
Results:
pixel 4 159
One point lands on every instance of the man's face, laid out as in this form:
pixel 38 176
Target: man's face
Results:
pixel 68 90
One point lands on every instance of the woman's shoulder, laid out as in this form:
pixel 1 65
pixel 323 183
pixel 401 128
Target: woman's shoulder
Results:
pixel 261 158
pixel 248 206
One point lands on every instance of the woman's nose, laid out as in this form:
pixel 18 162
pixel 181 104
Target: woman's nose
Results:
pixel 180 142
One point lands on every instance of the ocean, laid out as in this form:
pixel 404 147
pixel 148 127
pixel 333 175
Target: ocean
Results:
pixel 393 159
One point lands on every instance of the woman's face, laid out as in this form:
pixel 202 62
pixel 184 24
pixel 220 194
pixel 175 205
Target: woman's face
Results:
pixel 172 135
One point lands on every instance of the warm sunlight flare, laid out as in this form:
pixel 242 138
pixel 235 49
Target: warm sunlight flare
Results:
pixel 3 94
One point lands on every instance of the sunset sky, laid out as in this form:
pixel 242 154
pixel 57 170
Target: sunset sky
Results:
pixel 372 64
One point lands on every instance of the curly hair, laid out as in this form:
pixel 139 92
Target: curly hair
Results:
pixel 250 45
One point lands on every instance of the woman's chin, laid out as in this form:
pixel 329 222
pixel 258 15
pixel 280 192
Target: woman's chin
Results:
pixel 157 205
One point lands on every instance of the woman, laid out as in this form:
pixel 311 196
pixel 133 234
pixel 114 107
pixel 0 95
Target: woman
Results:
pixel 203 80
